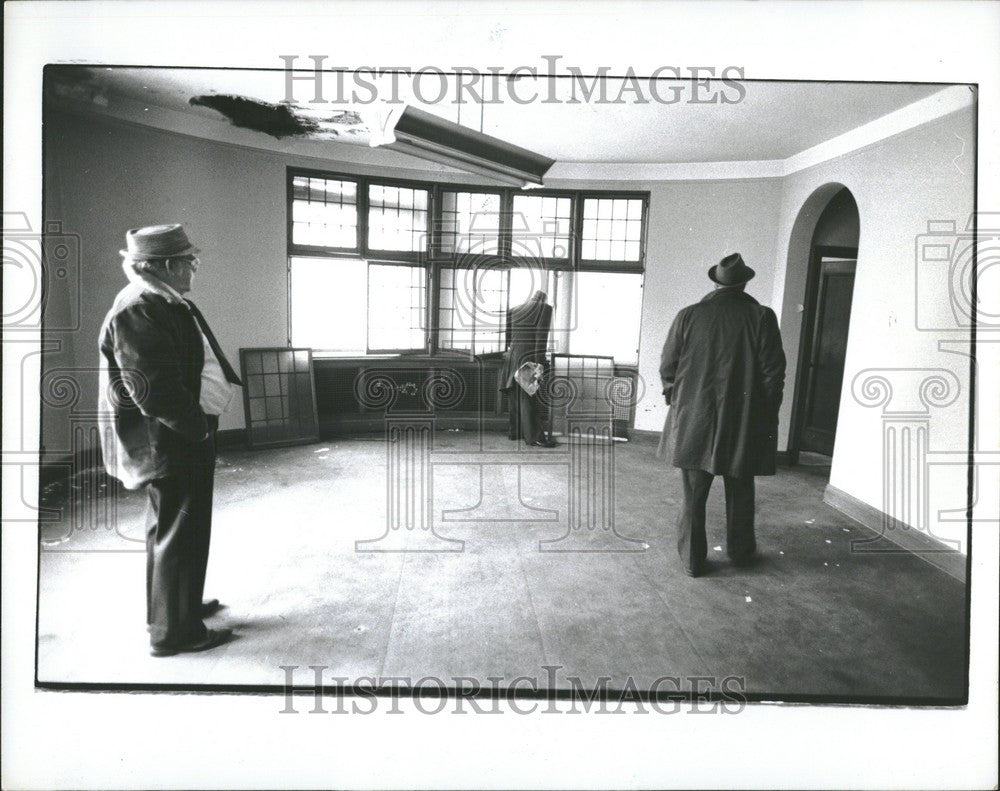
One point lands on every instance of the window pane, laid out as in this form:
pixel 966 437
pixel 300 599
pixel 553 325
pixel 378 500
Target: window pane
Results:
pixel 328 304
pixel 473 309
pixel 606 315
pixel 351 306
pixel 470 223
pixel 456 318
pixel 491 310
pixel 540 227
pixel 525 281
pixel 612 229
pixel 324 212
pixel 395 307
pixel 397 218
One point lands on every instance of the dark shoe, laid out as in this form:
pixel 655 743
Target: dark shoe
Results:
pixel 697 571
pixel 543 443
pixel 212 639
pixel 210 607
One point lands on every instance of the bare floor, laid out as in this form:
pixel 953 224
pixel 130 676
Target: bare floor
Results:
pixel 525 573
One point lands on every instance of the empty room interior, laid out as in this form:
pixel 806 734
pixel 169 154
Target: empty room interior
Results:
pixel 372 514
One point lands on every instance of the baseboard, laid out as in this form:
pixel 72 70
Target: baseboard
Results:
pixel 899 534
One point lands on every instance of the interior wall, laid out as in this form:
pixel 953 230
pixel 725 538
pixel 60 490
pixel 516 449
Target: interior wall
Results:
pixel 900 184
pixel 692 226
pixel 105 176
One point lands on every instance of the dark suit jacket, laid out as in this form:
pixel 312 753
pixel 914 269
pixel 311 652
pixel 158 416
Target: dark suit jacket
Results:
pixel 527 338
pixel 152 357
pixel 723 372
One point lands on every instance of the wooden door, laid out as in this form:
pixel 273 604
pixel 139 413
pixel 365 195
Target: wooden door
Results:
pixel 824 373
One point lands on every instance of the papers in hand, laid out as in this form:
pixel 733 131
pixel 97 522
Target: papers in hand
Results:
pixel 529 377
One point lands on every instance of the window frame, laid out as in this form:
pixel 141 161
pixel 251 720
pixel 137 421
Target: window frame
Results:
pixel 433 260
pixel 612 265
pixel 406 257
pixel 319 251
pixel 450 259
pixel 567 263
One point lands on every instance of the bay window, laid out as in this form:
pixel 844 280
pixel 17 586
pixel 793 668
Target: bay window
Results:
pixel 384 266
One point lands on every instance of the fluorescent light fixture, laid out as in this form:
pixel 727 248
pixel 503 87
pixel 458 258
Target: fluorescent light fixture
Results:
pixel 424 135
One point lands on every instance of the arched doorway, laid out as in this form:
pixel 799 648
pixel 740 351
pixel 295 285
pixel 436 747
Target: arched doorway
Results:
pixel 831 260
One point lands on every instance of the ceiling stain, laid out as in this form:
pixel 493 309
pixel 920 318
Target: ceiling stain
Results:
pixel 77 83
pixel 281 120
pixel 276 120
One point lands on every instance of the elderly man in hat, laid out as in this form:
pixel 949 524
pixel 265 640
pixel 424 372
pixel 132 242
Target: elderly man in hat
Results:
pixel 723 371
pixel 164 383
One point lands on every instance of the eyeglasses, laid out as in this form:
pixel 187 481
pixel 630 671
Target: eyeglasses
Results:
pixel 193 261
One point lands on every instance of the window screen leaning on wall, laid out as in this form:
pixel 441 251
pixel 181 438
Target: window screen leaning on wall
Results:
pixel 278 396
pixel 386 266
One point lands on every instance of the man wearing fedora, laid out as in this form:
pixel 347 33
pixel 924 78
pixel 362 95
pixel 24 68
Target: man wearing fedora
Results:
pixel 723 372
pixel 164 383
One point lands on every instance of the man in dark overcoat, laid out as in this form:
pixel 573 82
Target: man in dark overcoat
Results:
pixel 723 372
pixel 527 342
pixel 164 383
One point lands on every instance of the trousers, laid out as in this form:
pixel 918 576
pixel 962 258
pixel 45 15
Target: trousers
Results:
pixel 692 543
pixel 525 417
pixel 178 532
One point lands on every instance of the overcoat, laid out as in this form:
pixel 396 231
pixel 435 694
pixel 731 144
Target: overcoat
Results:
pixel 527 337
pixel 723 373
pixel 152 357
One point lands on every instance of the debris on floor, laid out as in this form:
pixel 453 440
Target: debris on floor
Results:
pixel 321 450
pixel 748 599
pixel 781 552
pixel 828 541
pixel 810 521
pixel 717 549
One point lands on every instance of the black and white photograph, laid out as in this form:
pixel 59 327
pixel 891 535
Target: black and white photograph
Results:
pixel 428 363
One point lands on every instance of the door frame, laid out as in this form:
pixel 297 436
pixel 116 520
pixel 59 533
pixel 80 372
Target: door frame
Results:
pixel 816 254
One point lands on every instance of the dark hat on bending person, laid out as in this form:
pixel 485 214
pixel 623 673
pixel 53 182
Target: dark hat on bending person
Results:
pixel 157 241
pixel 731 271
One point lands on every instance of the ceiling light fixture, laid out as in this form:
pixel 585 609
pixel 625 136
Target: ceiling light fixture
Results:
pixel 424 135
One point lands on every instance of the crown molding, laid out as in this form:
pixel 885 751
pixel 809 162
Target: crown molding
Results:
pixel 946 101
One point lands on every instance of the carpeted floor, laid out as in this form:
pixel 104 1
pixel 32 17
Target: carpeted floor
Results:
pixel 543 579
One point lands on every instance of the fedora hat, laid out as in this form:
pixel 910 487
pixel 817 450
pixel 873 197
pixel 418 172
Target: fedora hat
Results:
pixel 157 241
pixel 731 271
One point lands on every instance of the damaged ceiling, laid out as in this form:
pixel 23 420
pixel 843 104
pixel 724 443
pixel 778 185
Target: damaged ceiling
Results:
pixel 774 120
